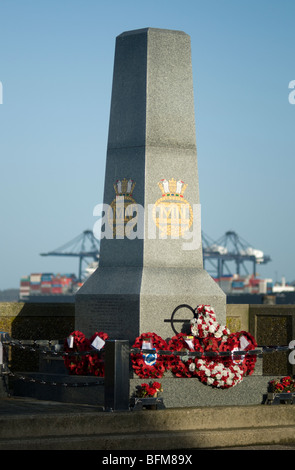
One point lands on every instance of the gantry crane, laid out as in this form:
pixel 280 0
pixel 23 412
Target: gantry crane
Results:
pixel 78 248
pixel 231 247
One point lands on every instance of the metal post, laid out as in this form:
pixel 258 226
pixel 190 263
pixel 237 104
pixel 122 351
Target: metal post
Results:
pixel 4 389
pixel 3 352
pixel 116 380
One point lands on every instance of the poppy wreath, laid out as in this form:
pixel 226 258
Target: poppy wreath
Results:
pixel 84 364
pixel 220 372
pixel 248 360
pixel 182 366
pixel 227 371
pixel 76 364
pixel 205 324
pixel 96 362
pixel 150 364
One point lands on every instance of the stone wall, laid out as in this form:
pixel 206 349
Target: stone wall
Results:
pixel 24 321
pixel 237 317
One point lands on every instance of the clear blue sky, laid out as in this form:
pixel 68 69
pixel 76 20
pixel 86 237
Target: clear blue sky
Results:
pixel 56 66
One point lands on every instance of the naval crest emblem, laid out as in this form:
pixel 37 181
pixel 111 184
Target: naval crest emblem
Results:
pixel 172 213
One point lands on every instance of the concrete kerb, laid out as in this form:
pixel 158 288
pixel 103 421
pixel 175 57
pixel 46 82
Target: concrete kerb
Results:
pixel 54 427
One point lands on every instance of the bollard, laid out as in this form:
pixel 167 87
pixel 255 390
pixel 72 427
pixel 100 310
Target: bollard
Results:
pixel 116 380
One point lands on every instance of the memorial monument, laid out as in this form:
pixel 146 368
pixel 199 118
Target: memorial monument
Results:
pixel 151 251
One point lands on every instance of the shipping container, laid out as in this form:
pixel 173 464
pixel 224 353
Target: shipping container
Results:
pixel 35 277
pixel 47 284
pixel 56 290
pixel 237 284
pixel 25 283
pixel 46 277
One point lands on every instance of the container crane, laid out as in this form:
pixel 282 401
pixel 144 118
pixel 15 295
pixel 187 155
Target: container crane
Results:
pixel 78 248
pixel 231 247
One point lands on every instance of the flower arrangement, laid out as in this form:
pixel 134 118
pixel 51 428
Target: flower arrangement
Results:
pixel 76 342
pixel 205 323
pixel 282 385
pixel 149 390
pixel 147 365
pixel 183 366
pixel 85 364
pixel 96 361
pixel 227 371
pixel 207 335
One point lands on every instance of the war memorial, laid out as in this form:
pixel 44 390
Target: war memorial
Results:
pixel 151 251
pixel 156 320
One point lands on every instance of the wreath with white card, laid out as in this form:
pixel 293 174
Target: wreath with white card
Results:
pixel 149 364
pixel 88 362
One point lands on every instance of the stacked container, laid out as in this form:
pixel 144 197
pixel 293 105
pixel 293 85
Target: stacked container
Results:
pixel 35 284
pixel 46 283
pixel 238 285
pixel 24 291
pixel 56 285
pixel 68 281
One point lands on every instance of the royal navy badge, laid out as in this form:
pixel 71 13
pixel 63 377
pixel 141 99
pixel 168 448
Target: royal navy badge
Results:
pixel 172 214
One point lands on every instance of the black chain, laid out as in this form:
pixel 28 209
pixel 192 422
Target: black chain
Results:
pixel 62 384
pixel 254 352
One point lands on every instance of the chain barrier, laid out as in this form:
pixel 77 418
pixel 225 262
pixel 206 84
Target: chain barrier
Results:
pixel 55 348
pixel 35 346
pixel 259 352
pixel 45 382
pixel 30 345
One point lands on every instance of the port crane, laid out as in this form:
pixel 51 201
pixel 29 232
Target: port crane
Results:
pixel 230 247
pixel 216 254
pixel 83 246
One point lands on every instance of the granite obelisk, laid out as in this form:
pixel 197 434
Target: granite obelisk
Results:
pixel 151 251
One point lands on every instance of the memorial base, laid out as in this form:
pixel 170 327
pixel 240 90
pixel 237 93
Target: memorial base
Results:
pixel 125 302
pixel 191 392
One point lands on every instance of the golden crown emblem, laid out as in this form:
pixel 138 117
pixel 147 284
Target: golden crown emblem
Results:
pixel 172 187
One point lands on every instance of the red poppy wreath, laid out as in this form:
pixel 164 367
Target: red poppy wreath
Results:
pixel 181 365
pixel 75 343
pixel 149 364
pixel 221 371
pixel 96 361
pixel 85 364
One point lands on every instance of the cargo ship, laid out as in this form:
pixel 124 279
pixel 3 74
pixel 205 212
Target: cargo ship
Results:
pixel 48 287
pixel 252 290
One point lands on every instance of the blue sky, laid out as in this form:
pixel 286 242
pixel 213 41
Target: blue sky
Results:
pixel 56 66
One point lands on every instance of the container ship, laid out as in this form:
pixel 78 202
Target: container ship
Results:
pixel 252 290
pixel 48 287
